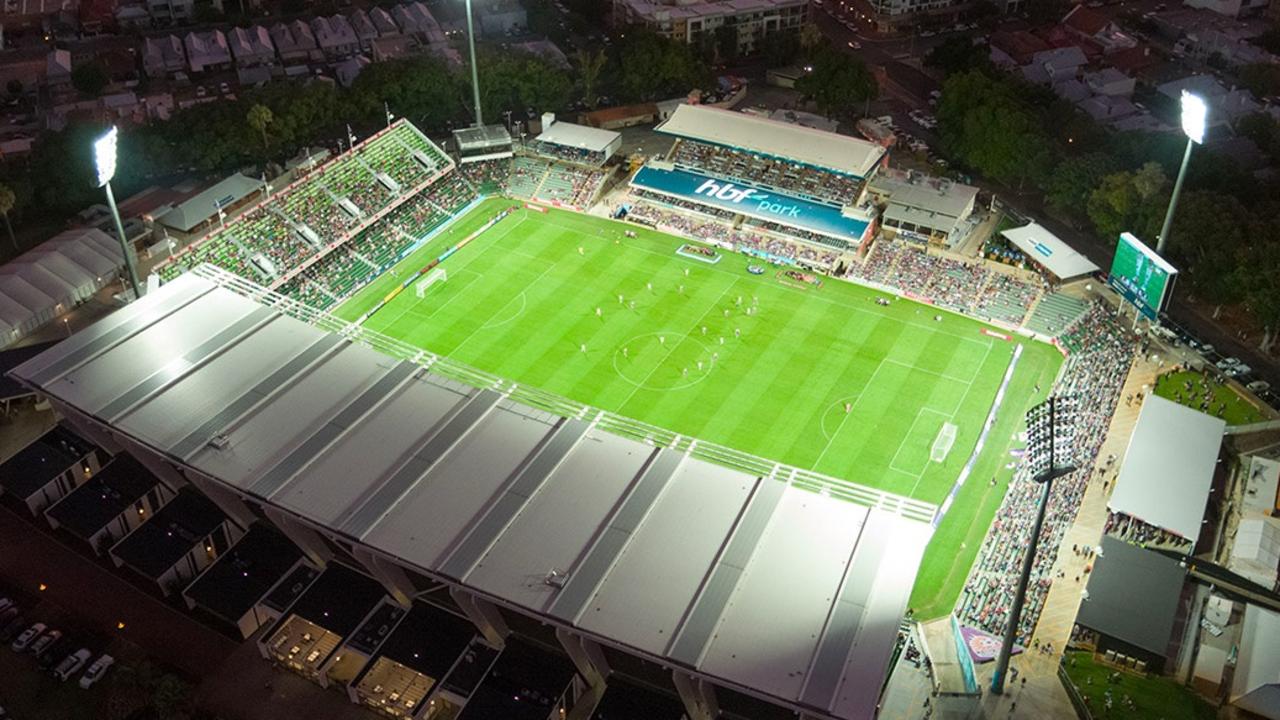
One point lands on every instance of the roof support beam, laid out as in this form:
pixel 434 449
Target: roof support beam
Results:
pixel 698 696
pixel 484 615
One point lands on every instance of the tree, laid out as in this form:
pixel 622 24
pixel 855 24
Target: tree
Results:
pixel 590 65
pixel 1068 187
pixel 1209 235
pixel 1263 130
pixel 1129 201
pixel 780 48
pixel 516 80
pixel 652 67
pixel 7 202
pixel 260 118
pixel 958 53
pixel 14 87
pixel 726 43
pixel 838 84
pixel 89 78
pixel 1262 79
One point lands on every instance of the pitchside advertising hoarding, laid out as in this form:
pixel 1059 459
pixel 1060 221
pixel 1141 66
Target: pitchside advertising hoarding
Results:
pixel 1141 276
pixel 765 205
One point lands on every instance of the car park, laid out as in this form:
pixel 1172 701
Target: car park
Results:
pixel 28 636
pixel 45 641
pixel 71 664
pixel 96 671
pixel 55 652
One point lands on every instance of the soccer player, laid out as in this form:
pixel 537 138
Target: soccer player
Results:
pixel 625 352
pixel 649 286
pixel 620 298
pixel 631 305
pixel 684 372
pixel 699 366
pixel 583 347
pixel 721 339
pixel 686 272
pixel 681 290
pixel 599 313
pixel 848 407
pixel 739 301
pixel 726 312
pixel 581 251
pixel 662 339
pixel 737 332
pixel 704 329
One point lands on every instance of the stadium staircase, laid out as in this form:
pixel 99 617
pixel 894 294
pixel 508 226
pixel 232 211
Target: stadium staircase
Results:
pixel 1054 313
pixel 526 176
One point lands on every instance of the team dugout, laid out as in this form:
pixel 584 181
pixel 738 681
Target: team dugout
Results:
pixel 576 143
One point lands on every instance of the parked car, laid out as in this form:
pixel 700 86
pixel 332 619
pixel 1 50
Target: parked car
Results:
pixel 6 603
pixel 12 628
pixel 1225 363
pixel 28 636
pixel 1238 370
pixel 71 664
pixel 96 671
pixel 855 45
pixel 8 614
pixel 45 641
pixel 1259 386
pixel 53 653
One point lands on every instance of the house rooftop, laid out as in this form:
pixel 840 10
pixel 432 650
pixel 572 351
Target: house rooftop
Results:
pixel 338 600
pixel 170 534
pixel 241 576
pixel 428 640
pixel 113 490
pixel 32 467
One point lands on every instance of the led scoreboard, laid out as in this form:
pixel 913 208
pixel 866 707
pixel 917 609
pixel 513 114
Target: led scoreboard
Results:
pixel 1141 276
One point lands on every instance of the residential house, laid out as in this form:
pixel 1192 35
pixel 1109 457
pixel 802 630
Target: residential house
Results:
pixel 1108 108
pixel 409 22
pixel 498 17
pixel 252 46
pixel 383 21
pixel 390 48
pixel 1015 49
pixel 364 29
pixel 133 17
pixel 335 36
pixel 546 50
pixel 26 65
pixel 1110 81
pixel 1050 67
pixel 167 12
pixel 1225 106
pixel 58 69
pixel 1232 8
pixel 163 56
pixel 207 51
pixel 347 70
pixel 1072 90
pixel 1094 26
pixel 294 41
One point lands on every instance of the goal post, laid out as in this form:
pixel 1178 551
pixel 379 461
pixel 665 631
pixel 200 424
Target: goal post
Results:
pixel 942 444
pixel 433 277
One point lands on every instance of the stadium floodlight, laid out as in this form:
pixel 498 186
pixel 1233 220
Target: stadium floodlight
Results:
pixel 1050 455
pixel 475 72
pixel 1195 119
pixel 104 158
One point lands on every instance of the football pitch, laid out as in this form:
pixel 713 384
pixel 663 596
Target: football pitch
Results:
pixel 821 377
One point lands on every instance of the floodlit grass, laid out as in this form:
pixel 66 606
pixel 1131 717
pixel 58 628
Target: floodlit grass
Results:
pixel 1156 698
pixel 1238 410
pixel 681 351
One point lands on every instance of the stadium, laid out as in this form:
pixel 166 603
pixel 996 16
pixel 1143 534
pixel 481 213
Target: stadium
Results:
pixel 683 416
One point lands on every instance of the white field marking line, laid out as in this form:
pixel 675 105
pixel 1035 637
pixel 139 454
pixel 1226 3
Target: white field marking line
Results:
pixel 462 272
pixel 682 386
pixel 526 288
pixel 944 376
pixel 837 404
pixel 819 298
pixel 395 269
pixel 686 335
pixel 919 413
pixel 952 416
pixel 831 441
pixel 464 268
pixel 491 324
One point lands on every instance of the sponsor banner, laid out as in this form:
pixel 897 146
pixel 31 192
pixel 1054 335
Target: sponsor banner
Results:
pixel 767 205
pixel 538 208
pixel 983 647
pixel 994 334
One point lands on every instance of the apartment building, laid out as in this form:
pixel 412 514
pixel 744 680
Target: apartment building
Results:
pixel 690 22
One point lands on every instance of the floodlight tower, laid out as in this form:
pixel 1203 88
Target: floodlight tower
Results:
pixel 104 156
pixel 1050 443
pixel 475 72
pixel 1195 117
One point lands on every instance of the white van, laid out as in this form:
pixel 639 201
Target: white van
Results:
pixel 96 671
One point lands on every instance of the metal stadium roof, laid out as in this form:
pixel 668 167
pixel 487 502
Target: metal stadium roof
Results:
pixel 682 552
pixel 753 133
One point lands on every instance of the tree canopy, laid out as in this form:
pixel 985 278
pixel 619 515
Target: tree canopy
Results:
pixel 837 83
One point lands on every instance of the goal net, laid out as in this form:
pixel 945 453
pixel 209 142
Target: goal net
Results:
pixel 433 277
pixel 942 444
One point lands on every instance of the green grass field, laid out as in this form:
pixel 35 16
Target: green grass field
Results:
pixel 1156 698
pixel 1237 410
pixel 818 377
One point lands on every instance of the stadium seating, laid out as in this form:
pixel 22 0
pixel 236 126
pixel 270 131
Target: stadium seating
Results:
pixel 788 177
pixel 1056 312
pixel 1100 353
pixel 488 176
pixel 526 176
pixel 314 201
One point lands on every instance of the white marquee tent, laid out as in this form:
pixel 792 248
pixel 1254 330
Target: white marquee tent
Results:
pixel 46 281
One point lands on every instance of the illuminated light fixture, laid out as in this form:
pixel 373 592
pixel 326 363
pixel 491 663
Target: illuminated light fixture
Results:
pixel 1195 116
pixel 1195 120
pixel 120 625
pixel 43 587
pixel 104 155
